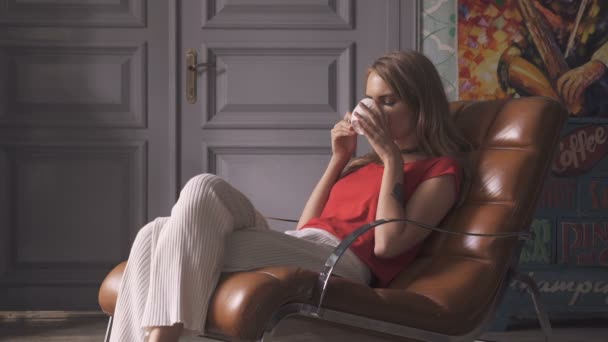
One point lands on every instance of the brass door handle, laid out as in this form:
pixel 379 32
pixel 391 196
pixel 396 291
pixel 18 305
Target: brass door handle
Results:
pixel 192 74
pixel 198 66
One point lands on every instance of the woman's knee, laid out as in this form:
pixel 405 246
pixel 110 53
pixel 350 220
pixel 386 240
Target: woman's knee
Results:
pixel 207 187
pixel 202 181
pixel 200 189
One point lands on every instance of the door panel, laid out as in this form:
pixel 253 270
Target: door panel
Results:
pixel 247 88
pixel 72 84
pixel 279 14
pixel 280 75
pixel 84 144
pixel 97 13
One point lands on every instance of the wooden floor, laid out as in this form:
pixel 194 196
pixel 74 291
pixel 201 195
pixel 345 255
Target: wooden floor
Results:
pixel 92 327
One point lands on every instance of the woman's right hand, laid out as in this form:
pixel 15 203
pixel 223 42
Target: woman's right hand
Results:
pixel 343 138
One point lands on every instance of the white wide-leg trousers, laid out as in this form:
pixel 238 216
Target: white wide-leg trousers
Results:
pixel 175 262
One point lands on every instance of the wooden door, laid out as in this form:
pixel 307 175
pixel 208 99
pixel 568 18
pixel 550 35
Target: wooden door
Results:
pixel 275 78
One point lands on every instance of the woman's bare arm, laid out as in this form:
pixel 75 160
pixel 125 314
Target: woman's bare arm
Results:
pixel 320 194
pixel 390 205
pixel 428 204
pixel 343 145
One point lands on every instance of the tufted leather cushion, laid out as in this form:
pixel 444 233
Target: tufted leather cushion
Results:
pixel 108 292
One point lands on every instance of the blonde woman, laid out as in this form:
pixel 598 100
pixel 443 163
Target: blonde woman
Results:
pixel 413 172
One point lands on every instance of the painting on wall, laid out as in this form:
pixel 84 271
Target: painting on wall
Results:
pixel 555 48
pixel 439 41
pixel 559 49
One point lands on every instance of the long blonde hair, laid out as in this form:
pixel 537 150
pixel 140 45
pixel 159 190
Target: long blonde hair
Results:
pixel 414 78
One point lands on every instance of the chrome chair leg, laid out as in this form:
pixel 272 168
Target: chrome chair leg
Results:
pixel 532 288
pixel 108 330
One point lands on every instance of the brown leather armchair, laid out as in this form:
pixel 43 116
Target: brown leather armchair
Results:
pixel 451 290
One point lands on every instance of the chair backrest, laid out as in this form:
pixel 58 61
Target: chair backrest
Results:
pixel 513 145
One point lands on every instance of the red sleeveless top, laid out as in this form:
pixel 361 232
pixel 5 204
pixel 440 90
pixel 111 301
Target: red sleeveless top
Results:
pixel 353 202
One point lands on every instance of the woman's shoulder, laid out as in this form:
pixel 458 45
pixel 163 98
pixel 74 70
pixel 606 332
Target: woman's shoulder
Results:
pixel 440 165
pixel 439 161
pixel 447 160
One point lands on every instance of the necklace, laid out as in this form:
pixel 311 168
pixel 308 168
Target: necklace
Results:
pixel 409 150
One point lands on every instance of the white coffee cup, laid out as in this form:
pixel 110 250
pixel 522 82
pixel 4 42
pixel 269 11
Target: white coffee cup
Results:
pixel 354 120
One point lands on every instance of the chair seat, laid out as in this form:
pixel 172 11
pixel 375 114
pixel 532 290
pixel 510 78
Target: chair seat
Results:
pixel 445 297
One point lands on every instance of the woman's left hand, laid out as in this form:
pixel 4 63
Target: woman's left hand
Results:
pixel 376 129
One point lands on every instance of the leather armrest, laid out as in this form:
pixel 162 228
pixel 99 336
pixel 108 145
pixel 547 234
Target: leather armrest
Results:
pixel 108 292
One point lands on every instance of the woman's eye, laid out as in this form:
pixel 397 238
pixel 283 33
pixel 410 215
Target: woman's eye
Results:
pixel 389 103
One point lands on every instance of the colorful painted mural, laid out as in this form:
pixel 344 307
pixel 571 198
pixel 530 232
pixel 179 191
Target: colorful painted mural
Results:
pixel 439 41
pixel 555 48
pixel 486 49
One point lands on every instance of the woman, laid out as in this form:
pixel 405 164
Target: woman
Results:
pixel 175 261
